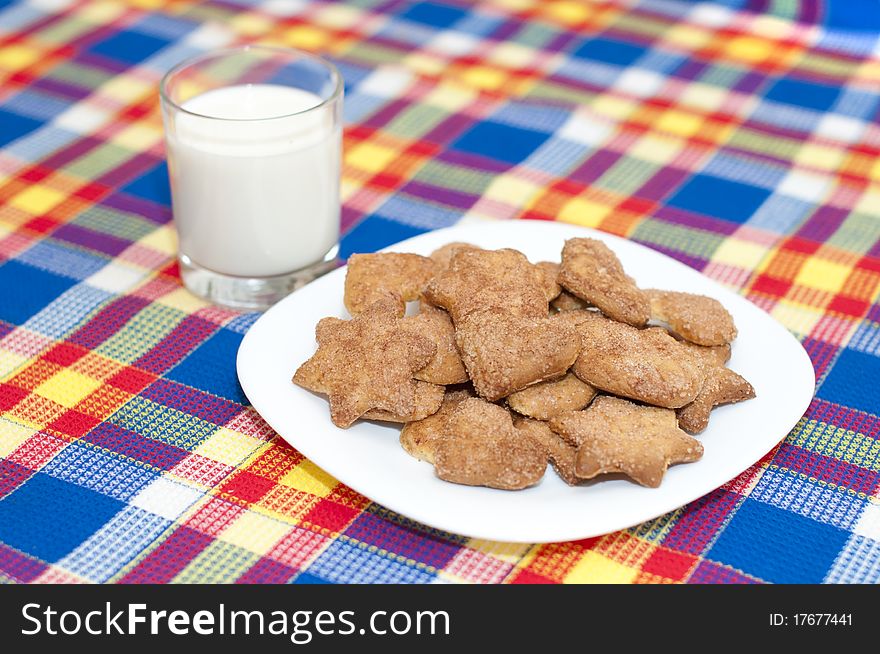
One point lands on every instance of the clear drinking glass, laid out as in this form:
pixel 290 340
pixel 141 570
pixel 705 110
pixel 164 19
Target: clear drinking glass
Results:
pixel 254 143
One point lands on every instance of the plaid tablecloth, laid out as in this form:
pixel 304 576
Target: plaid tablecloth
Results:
pixel 740 137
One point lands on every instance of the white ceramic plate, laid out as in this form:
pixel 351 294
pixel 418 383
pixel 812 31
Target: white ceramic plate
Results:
pixel 368 458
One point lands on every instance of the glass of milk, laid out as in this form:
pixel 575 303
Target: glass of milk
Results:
pixel 253 137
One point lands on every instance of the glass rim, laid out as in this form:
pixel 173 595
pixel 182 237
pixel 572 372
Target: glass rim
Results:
pixel 336 78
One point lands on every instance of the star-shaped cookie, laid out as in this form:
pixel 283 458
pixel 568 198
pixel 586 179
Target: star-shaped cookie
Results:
pixel 722 386
pixel 614 435
pixel 367 363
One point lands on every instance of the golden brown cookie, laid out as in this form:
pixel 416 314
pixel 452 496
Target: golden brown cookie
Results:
pixel 442 256
pixel 592 272
pixel 696 318
pixel 722 386
pixel 642 364
pixel 550 272
pixel 446 366
pixel 547 399
pixel 562 455
pixel 371 277
pixel 504 353
pixel 483 448
pixel 565 301
pixel 419 438
pixel 575 316
pixel 366 363
pixel 427 401
pixel 710 355
pixel 615 435
pixel 479 280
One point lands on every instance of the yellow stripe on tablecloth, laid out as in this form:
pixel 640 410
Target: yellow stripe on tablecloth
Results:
pixel 740 253
pixel 139 137
pixel 567 11
pixel 228 446
pixel 305 36
pixel 14 435
pixel 512 190
pixel 451 96
pixel 37 199
pixel 370 157
pixel 799 318
pixel 594 568
pixel 162 239
pixel 687 36
pixel 182 300
pixel 16 57
pixel 309 478
pixel 656 148
pixel 507 552
pixel 485 78
pixel 10 363
pixel 823 274
pixel 255 532
pixel 584 212
pixel 67 387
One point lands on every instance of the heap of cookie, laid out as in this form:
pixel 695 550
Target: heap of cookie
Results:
pixel 509 364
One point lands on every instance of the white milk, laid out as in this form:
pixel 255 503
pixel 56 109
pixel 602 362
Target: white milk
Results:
pixel 255 198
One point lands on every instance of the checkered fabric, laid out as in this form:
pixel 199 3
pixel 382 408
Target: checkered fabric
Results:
pixel 740 137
